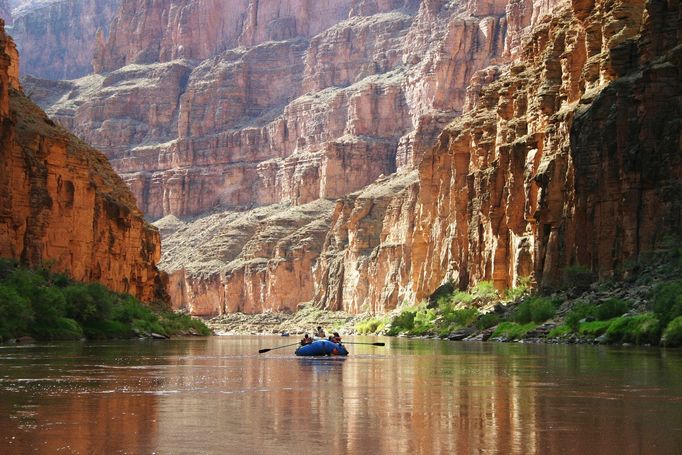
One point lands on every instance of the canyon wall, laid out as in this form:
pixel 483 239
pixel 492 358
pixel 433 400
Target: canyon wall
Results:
pixel 61 203
pixel 286 147
pixel 569 156
pixel 57 38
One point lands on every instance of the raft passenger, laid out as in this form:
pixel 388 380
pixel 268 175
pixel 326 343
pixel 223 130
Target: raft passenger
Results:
pixel 306 340
pixel 319 333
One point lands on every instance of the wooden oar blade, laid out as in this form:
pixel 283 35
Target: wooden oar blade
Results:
pixel 260 351
pixel 379 344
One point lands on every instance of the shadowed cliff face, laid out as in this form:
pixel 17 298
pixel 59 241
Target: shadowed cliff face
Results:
pixel 62 204
pixel 209 108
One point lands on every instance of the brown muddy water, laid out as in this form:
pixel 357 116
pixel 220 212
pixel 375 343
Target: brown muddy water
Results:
pixel 218 396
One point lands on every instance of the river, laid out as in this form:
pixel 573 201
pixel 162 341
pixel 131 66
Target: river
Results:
pixel 219 396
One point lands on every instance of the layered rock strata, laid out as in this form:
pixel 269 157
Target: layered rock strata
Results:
pixel 61 203
pixel 322 98
pixel 570 158
pixel 57 38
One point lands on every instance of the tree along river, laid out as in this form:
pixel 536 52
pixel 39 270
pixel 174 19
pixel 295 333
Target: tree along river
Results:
pixel 219 396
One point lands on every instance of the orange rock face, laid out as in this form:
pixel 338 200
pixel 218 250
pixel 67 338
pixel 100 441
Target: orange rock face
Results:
pixel 559 146
pixel 62 204
pixel 568 156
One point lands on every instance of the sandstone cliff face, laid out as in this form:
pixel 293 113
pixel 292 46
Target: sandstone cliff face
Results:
pixel 57 38
pixel 323 97
pixel 570 157
pixel 62 203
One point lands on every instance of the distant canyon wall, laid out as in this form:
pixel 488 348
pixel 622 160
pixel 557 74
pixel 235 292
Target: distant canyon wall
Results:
pixel 61 203
pixel 300 135
pixel 57 38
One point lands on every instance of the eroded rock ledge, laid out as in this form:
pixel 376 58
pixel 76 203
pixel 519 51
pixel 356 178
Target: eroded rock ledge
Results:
pixel 61 203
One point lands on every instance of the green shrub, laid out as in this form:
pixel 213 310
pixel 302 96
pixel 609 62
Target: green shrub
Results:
pixel 48 306
pixel 535 309
pixel 579 312
pixel 672 337
pixel 485 321
pixel 667 301
pixel 485 291
pixel 371 326
pixel 594 328
pixel 641 329
pixel 403 322
pixel 61 329
pixel 578 277
pixel 16 313
pixel 559 331
pixel 512 330
pixel 106 329
pixel 423 321
pixel 461 318
pixel 89 302
pixel 612 308
pixel 178 323
pixel 522 288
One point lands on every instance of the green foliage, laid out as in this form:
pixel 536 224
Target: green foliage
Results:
pixel 512 330
pixel 579 312
pixel 62 329
pixel 522 288
pixel 559 331
pixel 485 291
pixel 461 318
pixel 672 337
pixel 403 322
pixel 89 302
pixel 611 308
pixel 485 321
pixel 174 323
pixel 371 326
pixel 48 306
pixel 423 321
pixel 578 277
pixel 667 302
pixel 15 313
pixel 535 309
pixel 594 328
pixel 641 329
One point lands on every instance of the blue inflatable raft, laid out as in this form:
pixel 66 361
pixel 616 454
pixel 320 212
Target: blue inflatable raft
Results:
pixel 320 348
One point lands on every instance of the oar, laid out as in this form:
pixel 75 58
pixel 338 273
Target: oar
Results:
pixel 379 343
pixel 260 351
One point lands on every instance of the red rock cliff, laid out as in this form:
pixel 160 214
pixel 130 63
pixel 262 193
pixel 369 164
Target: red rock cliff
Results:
pixel 62 203
pixel 538 171
pixel 56 39
pixel 570 155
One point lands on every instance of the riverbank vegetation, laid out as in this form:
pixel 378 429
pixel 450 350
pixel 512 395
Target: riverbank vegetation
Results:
pixel 641 304
pixel 49 306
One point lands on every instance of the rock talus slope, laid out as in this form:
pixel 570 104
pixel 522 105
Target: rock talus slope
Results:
pixel 62 204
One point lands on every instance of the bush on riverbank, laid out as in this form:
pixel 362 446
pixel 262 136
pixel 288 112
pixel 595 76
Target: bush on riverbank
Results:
pixel 49 306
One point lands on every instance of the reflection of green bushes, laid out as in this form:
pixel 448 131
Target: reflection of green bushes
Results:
pixel 48 306
pixel 535 309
